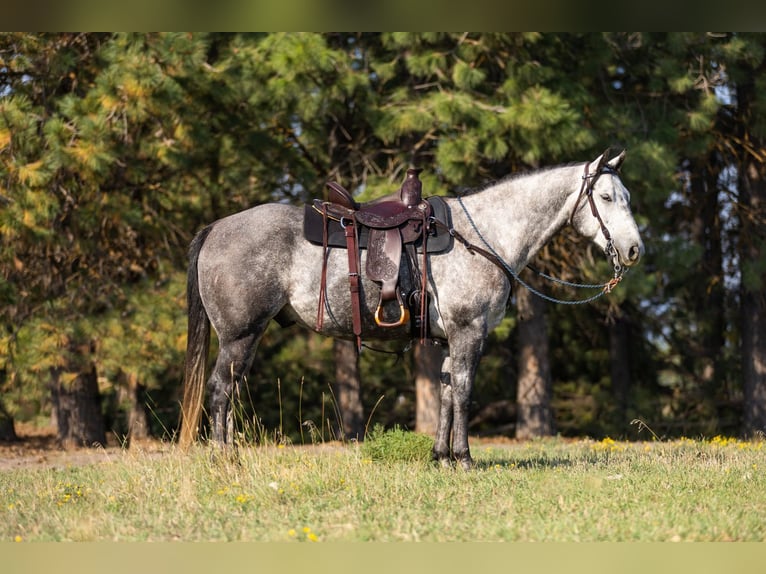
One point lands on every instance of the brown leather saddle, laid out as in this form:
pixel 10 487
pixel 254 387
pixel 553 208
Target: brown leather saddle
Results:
pixel 385 227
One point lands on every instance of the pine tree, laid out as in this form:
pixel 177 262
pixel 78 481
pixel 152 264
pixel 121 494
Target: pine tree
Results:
pixel 116 148
pixel 745 57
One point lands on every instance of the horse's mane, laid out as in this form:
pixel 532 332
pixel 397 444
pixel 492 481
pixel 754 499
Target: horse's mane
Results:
pixel 512 177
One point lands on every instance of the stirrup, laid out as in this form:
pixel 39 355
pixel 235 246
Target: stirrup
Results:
pixel 404 314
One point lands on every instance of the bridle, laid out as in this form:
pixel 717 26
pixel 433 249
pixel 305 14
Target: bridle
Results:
pixel 586 190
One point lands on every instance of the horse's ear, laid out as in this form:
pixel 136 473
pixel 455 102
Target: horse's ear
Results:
pixel 599 162
pixel 616 162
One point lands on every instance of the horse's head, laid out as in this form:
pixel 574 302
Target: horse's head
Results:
pixel 607 219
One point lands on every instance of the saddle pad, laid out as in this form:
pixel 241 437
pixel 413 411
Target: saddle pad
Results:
pixel 439 240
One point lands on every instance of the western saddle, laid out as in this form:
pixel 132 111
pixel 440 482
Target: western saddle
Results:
pixel 390 224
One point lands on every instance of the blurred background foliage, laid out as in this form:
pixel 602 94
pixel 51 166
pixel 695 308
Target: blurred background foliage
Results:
pixel 116 148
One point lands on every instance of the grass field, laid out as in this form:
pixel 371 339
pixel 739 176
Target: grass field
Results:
pixel 547 490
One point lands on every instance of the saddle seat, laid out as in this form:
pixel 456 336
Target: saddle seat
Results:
pixel 390 211
pixel 392 222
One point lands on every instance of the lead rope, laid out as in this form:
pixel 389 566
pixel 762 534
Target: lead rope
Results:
pixel 605 287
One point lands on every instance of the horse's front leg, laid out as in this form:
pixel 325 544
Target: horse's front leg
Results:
pixel 441 450
pixel 464 359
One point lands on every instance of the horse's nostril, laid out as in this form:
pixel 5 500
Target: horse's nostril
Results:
pixel 634 252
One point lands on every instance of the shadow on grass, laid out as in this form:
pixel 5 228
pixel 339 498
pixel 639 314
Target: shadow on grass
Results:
pixel 525 464
pixel 495 460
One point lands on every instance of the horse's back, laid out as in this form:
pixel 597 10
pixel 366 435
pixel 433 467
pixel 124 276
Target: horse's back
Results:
pixel 265 223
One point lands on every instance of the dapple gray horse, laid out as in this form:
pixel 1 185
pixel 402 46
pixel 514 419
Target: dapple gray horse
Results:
pixel 254 266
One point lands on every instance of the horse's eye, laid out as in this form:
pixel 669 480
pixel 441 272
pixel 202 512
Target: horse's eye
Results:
pixel 606 197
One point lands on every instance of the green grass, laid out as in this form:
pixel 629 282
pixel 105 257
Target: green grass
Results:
pixel 548 490
pixel 397 445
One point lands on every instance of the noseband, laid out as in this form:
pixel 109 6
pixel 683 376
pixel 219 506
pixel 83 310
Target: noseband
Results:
pixel 586 190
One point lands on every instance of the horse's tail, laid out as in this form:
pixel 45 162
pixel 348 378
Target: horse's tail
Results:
pixel 197 347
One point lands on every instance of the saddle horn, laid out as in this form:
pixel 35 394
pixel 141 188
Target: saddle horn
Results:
pixel 410 194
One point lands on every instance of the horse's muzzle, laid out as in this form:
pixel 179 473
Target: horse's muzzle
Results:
pixel 634 253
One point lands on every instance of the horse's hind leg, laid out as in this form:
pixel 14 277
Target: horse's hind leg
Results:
pixel 233 363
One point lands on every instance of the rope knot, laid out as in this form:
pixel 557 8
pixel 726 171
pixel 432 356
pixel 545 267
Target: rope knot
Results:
pixel 612 284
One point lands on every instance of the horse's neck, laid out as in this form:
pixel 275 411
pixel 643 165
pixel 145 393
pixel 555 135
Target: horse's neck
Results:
pixel 519 216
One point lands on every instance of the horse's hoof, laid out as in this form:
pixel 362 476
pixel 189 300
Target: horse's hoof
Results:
pixel 443 458
pixel 445 463
pixel 465 460
pixel 224 453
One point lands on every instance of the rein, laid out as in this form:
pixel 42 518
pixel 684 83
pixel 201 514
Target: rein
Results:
pixel 586 189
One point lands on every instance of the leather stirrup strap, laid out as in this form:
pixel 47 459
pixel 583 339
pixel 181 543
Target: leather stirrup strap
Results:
pixel 424 283
pixel 323 280
pixel 384 256
pixel 353 281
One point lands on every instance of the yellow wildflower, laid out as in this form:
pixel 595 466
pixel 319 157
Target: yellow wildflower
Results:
pixel 310 536
pixel 608 444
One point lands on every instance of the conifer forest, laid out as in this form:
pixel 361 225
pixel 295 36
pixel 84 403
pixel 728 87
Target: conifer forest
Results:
pixel 117 148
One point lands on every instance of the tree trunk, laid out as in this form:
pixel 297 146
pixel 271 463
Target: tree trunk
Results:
pixel 77 408
pixel 348 389
pixel 534 414
pixel 138 420
pixel 754 363
pixel 753 297
pixel 710 298
pixel 619 367
pixel 428 362
pixel 7 430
